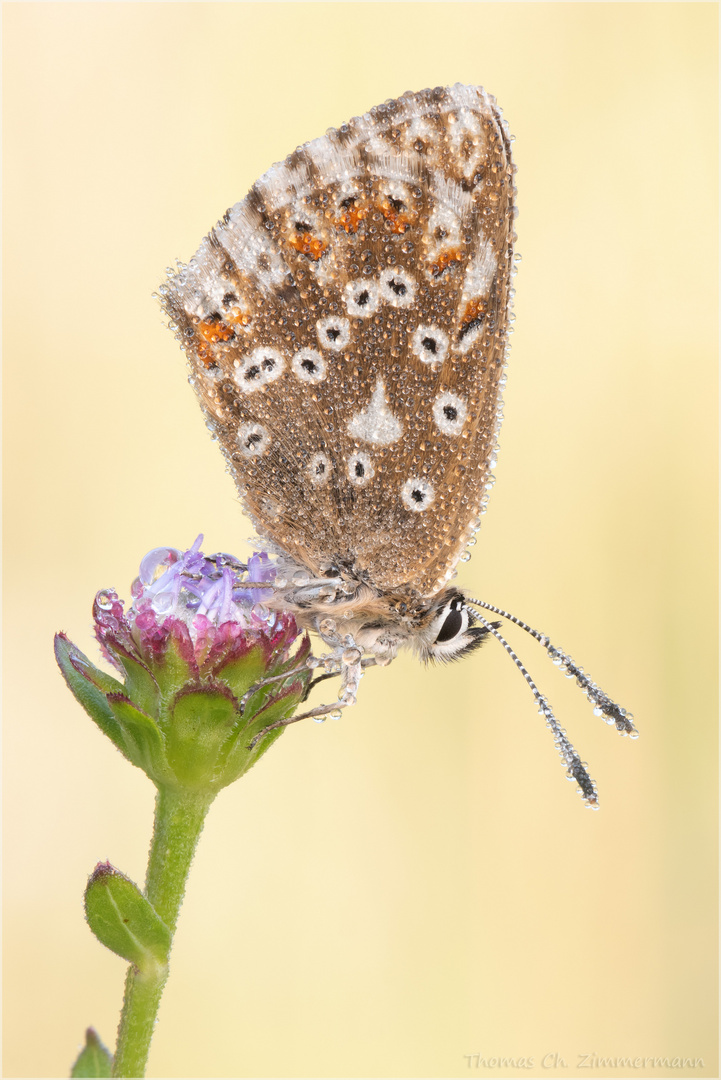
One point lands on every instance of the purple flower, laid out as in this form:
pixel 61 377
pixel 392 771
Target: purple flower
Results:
pixel 206 666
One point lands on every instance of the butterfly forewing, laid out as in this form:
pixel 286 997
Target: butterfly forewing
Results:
pixel 346 328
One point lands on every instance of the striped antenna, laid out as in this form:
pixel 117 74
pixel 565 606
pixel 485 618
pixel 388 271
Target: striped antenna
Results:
pixel 575 768
pixel 603 706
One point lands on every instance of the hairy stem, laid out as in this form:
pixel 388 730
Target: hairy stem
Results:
pixel 179 818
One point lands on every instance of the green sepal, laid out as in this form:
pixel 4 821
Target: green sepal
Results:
pixel 280 707
pixel 264 694
pixel 94 1059
pixel 143 738
pixel 140 684
pixel 174 670
pixel 242 673
pixel 200 719
pixel 89 685
pixel 237 758
pixel 125 921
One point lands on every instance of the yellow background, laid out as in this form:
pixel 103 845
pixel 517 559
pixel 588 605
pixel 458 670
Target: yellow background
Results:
pixel 416 882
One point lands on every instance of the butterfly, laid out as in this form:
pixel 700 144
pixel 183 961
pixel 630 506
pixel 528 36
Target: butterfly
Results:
pixel 346 327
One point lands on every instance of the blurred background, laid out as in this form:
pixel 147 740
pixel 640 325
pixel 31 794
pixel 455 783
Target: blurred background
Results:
pixel 416 884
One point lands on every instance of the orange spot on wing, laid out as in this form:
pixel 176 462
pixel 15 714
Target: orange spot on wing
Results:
pixel 474 308
pixel 206 358
pixel 241 319
pixel 474 314
pixel 306 244
pixel 351 218
pixel 446 258
pixel 215 330
pixel 399 220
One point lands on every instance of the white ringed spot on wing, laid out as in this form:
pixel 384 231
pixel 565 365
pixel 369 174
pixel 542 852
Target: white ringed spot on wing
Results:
pixel 360 468
pixel 417 494
pixel 333 333
pixel 309 366
pixel 253 440
pixel 361 298
pixel 319 469
pixel 430 344
pixel 262 366
pixel 449 412
pixel 397 287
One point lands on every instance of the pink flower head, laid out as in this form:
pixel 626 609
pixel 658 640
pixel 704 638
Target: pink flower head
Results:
pixel 208 669
pixel 201 604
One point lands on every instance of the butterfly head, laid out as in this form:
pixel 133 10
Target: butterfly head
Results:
pixel 451 631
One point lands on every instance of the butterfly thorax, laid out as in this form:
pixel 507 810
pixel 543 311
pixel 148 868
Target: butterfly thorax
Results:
pixel 380 621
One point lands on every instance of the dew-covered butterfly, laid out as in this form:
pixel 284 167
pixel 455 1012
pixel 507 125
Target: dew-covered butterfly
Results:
pixel 346 326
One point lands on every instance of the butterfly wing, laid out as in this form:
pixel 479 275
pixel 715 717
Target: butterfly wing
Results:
pixel 346 329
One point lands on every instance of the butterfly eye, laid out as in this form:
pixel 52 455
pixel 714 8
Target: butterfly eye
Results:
pixel 455 634
pixel 452 625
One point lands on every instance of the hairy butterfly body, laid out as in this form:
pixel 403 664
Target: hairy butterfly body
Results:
pixel 346 327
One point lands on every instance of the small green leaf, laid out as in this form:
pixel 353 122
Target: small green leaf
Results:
pixel 90 686
pixel 94 1059
pixel 125 921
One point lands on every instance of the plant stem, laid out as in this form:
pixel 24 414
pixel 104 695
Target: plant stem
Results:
pixel 179 818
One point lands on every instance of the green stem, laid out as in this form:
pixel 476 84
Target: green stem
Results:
pixel 179 818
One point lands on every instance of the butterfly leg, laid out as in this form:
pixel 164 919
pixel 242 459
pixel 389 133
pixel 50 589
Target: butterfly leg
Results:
pixel 366 662
pixel 312 714
pixel 348 655
pixel 346 660
pixel 272 679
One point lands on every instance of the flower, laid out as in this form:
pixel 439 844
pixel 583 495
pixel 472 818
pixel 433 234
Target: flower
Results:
pixel 206 667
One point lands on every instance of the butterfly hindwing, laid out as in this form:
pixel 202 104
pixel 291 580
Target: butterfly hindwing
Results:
pixel 346 329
